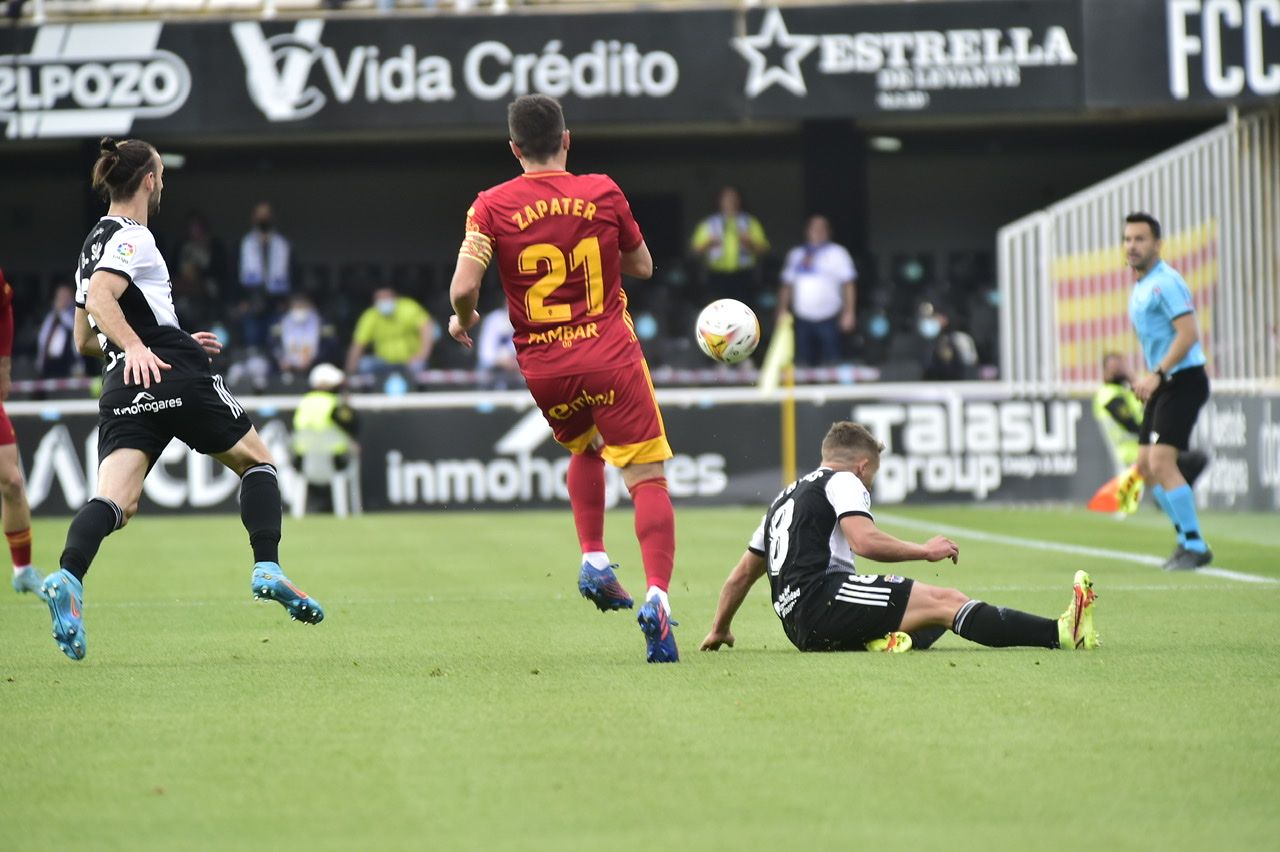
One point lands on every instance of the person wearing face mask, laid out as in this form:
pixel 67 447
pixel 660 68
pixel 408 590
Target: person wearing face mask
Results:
pixel 952 354
pixel 264 256
pixel 398 330
pixel 301 338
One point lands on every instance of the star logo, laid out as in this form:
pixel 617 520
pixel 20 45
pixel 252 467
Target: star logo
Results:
pixel 761 75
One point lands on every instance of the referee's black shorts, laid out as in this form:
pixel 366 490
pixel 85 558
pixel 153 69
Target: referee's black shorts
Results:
pixel 1171 412
pixel 199 411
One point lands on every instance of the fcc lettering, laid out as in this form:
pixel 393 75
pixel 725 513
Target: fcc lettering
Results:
pixel 1204 33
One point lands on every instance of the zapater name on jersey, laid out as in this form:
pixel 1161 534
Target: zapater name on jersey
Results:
pixel 801 540
pixel 558 238
pixel 128 249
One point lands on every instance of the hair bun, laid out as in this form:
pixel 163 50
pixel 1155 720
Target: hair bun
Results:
pixel 108 145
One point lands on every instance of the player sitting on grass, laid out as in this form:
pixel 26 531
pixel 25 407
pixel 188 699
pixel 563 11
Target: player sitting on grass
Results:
pixel 807 542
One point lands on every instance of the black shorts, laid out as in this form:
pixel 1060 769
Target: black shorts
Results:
pixel 851 610
pixel 199 411
pixel 1170 415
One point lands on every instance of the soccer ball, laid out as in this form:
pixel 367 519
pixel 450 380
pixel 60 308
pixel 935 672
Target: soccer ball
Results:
pixel 728 331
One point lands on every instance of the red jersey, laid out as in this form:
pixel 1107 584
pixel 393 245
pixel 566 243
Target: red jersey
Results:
pixel 559 239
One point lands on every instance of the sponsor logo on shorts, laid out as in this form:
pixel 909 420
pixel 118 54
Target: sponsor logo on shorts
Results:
pixel 565 410
pixel 786 601
pixel 565 334
pixel 145 403
pixel 892 578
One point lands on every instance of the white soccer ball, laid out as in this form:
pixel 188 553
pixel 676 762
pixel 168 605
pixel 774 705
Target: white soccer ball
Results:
pixel 728 331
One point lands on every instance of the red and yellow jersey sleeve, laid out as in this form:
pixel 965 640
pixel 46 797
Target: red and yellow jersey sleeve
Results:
pixel 477 240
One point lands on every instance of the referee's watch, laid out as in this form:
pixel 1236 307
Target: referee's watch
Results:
pixel 1164 377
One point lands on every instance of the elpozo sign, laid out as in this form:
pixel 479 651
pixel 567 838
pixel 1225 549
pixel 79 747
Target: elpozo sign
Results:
pixel 316 75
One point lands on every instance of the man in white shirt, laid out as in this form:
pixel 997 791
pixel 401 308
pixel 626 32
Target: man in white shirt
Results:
pixel 819 287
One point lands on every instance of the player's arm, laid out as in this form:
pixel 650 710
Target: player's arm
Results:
pixel 871 542
pixel 86 339
pixel 141 365
pixel 1185 336
pixel 744 575
pixel 464 295
pixel 638 263
pixel 1120 413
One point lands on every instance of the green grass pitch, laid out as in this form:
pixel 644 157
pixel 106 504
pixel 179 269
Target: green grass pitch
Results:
pixel 460 695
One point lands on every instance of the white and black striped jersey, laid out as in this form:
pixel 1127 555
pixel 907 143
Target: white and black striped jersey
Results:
pixel 801 539
pixel 128 249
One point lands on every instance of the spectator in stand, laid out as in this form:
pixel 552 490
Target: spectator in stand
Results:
pixel 399 331
pixel 301 338
pixel 952 354
pixel 496 351
pixel 819 288
pixel 202 271
pixel 731 243
pixel 264 256
pixel 56 354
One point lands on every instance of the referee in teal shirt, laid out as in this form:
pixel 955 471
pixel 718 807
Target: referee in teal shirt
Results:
pixel 1176 388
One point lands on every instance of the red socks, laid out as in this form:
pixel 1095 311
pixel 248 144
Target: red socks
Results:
pixel 20 547
pixel 656 530
pixel 585 481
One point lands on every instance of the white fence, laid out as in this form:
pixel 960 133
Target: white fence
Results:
pixel 1065 285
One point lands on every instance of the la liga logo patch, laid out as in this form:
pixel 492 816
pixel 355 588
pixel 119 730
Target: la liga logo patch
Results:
pixel 124 251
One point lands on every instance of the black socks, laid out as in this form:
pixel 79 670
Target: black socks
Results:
pixel 260 511
pixel 96 520
pixel 998 627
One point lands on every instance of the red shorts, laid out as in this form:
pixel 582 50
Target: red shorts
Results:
pixel 7 435
pixel 617 403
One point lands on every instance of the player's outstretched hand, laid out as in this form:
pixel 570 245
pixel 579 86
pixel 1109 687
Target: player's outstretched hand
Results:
pixel 459 332
pixel 939 547
pixel 142 367
pixel 209 342
pixel 716 638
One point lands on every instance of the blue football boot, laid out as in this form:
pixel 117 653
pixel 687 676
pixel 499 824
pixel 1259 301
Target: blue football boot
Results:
pixel 657 625
pixel 65 596
pixel 270 583
pixel 28 580
pixel 601 587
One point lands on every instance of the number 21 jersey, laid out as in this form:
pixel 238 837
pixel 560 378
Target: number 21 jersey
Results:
pixel 557 237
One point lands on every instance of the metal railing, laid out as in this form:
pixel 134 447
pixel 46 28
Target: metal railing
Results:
pixel 1065 286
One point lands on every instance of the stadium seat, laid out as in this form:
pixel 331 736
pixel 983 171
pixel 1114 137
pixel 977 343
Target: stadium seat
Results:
pixel 316 467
